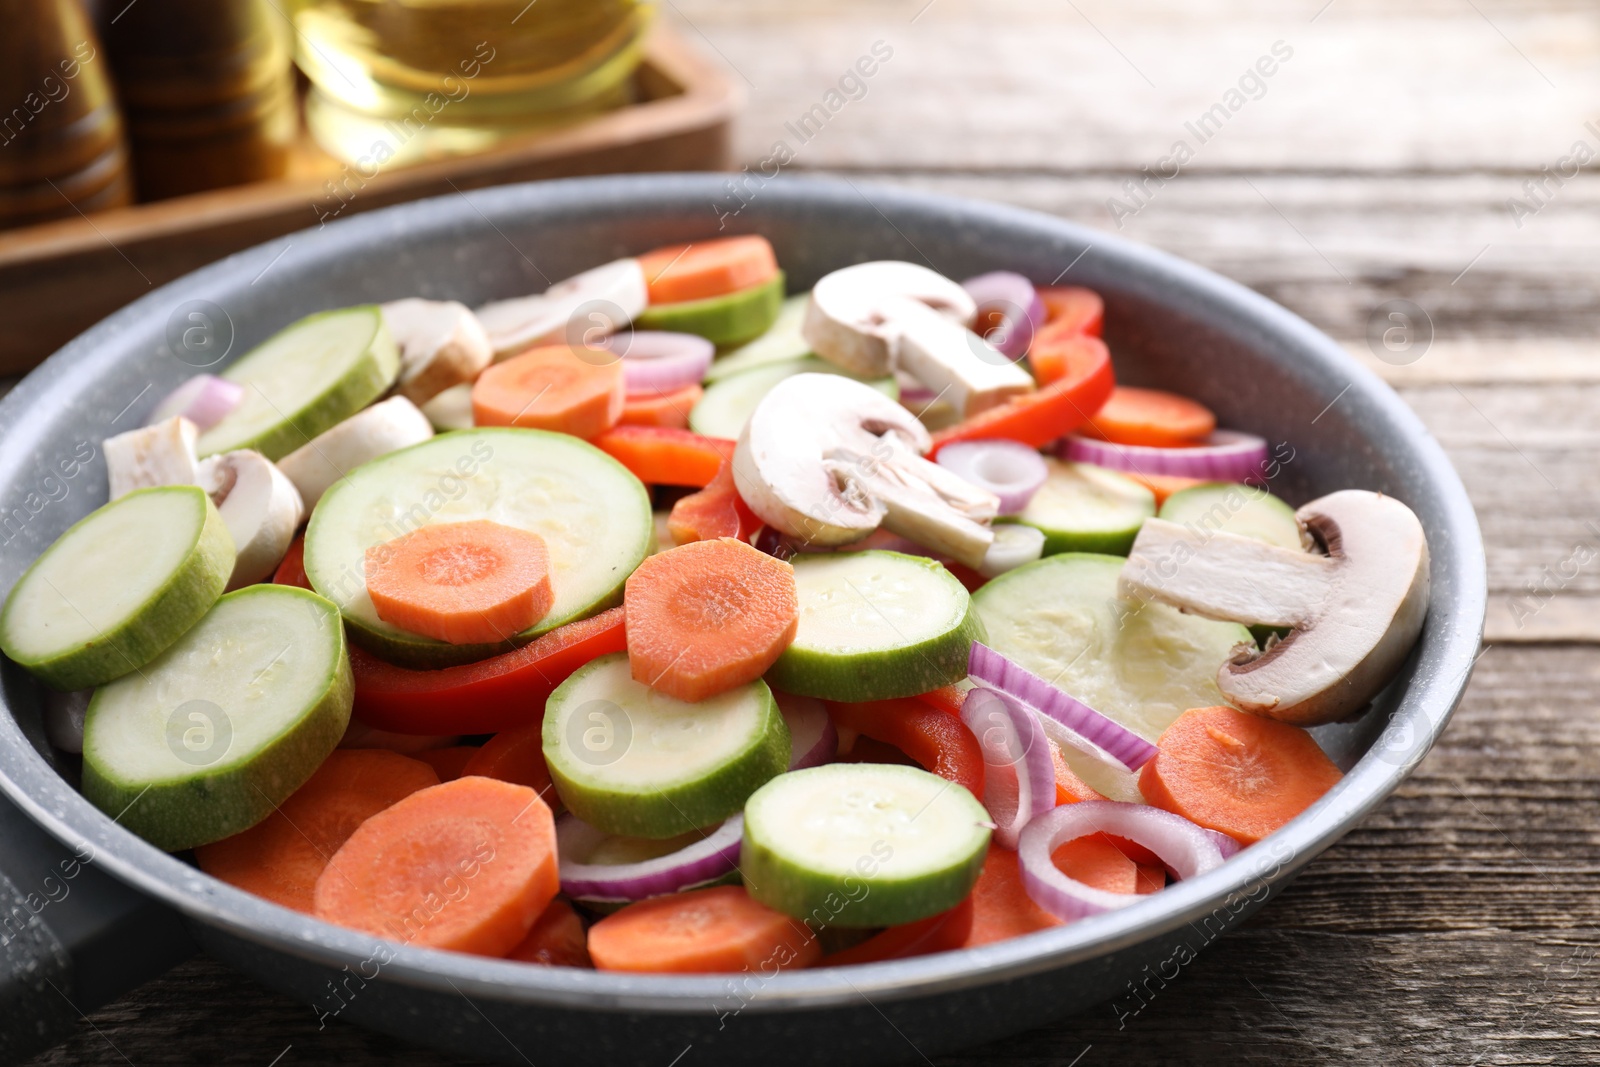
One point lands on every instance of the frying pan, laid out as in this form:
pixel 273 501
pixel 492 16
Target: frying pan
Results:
pixel 1169 323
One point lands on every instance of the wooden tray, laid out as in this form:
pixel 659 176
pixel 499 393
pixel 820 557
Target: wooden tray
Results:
pixel 59 278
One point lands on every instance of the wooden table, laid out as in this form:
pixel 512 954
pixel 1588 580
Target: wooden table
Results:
pixel 1458 925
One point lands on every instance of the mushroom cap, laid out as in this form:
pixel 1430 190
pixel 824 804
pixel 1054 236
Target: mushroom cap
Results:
pixel 846 321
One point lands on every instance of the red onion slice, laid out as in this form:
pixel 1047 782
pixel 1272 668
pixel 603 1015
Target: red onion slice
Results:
pixel 1019 781
pixel 655 361
pixel 812 737
pixel 703 861
pixel 1014 299
pixel 1186 849
pixel 1010 470
pixel 204 400
pixel 1227 456
pixel 1082 724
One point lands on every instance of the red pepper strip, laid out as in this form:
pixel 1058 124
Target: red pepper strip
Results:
pixel 940 743
pixel 1037 418
pixel 292 571
pixel 500 693
pixel 715 511
pixel 947 699
pixel 664 455
pixel 516 756
pixel 1070 307
pixel 937 933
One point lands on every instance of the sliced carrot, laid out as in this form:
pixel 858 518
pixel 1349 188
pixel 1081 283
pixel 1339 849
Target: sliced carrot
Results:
pixel 971 579
pixel 567 388
pixel 450 763
pixel 1069 787
pixel 1054 411
pixel 708 616
pixel 1162 485
pixel 1001 907
pixel 467 866
pixel 703 931
pixel 281 857
pixel 715 511
pixel 947 699
pixel 495 694
pixel 1238 774
pixel 937 933
pixel 557 939
pixel 661 409
pixel 515 756
pixel 706 269
pixel 292 571
pixel 1072 308
pixel 1097 862
pixel 462 582
pixel 661 455
pixel 1150 417
pixel 941 743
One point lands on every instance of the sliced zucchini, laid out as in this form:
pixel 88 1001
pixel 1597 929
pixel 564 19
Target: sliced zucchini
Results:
pixel 780 344
pixel 728 404
pixel 119 587
pixel 1084 508
pixel 1239 509
pixel 594 517
pixel 1142 666
pixel 632 761
pixel 862 844
pixel 875 625
pixel 723 320
pixel 306 379
pixel 213 734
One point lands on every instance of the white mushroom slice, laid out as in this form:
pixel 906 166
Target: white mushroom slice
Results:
pixel 1354 612
pixel 827 460
pixel 441 342
pixel 876 318
pixel 585 309
pixel 451 409
pixel 385 427
pixel 159 454
pixel 259 505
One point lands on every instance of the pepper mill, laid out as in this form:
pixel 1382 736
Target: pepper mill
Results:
pixel 207 87
pixel 62 148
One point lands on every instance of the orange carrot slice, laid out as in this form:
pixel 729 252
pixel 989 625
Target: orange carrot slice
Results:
pixel 281 857
pixel 1150 417
pixel 1072 308
pixel 567 388
pixel 937 933
pixel 450 762
pixel 467 866
pixel 1069 787
pixel 715 511
pixel 292 571
pixel 462 582
pixel 1098 862
pixel 708 616
pixel 703 931
pixel 515 756
pixel 706 269
pixel 557 939
pixel 662 455
pixel 1238 774
pixel 1001 907
pixel 1162 485
pixel 1036 419
pixel 661 409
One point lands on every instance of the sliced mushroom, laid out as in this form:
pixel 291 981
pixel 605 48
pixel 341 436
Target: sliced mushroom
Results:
pixel 442 344
pixel 1354 613
pixel 876 318
pixel 260 506
pixel 584 309
pixel 451 409
pixel 826 459
pixel 385 427
pixel 159 454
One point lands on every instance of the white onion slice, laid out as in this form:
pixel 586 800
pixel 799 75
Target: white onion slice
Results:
pixel 704 861
pixel 1019 780
pixel 1227 456
pixel 1085 729
pixel 1186 849
pixel 812 737
pixel 1014 544
pixel 1011 471
pixel 657 361
pixel 1017 302
pixel 204 400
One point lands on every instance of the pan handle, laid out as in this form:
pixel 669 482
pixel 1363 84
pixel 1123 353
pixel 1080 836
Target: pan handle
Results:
pixel 72 938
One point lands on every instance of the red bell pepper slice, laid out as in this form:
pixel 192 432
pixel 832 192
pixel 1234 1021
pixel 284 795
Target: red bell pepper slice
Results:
pixel 1073 308
pixel 715 511
pixel 292 571
pixel 940 742
pixel 665 455
pixel 937 933
pixel 1037 418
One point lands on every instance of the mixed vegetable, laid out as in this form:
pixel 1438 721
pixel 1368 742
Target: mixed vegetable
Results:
pixel 710 630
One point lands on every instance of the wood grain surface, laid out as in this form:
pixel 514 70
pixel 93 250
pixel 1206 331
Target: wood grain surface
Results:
pixel 1460 924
